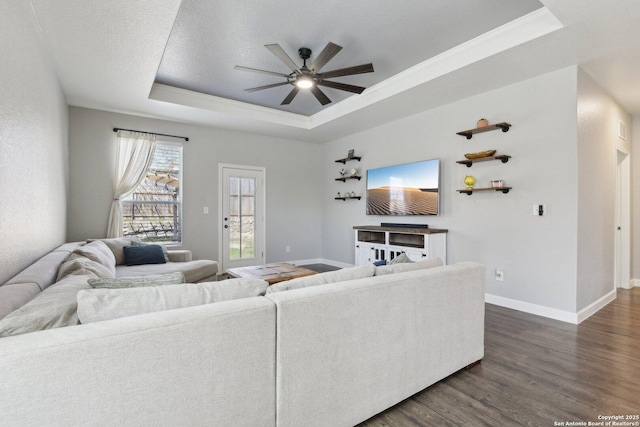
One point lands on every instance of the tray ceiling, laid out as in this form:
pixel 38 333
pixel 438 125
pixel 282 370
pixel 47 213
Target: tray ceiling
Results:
pixel 209 38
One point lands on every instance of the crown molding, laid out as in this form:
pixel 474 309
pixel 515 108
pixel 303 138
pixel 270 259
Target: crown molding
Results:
pixel 189 98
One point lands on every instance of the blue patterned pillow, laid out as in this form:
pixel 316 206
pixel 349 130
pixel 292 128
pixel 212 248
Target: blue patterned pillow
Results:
pixel 144 254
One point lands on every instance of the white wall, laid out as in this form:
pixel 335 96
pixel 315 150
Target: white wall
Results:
pixel 33 143
pixel 598 117
pixel 538 254
pixel 293 169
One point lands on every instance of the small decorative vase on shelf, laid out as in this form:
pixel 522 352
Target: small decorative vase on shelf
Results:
pixel 469 181
pixel 482 123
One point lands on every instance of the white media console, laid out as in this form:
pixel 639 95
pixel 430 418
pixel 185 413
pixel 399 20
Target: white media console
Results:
pixel 376 243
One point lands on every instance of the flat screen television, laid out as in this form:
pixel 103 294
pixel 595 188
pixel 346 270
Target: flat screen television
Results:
pixel 407 189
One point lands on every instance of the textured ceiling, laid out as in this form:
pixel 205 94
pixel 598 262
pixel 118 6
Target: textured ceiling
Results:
pixel 209 38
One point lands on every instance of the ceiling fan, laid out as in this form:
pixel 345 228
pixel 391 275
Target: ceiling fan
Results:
pixel 310 77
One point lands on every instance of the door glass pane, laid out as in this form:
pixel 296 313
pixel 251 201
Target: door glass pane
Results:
pixel 241 217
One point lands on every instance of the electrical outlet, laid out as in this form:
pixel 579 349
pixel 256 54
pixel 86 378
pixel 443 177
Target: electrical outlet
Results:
pixel 287 249
pixel 205 210
pixel 499 275
pixel 539 210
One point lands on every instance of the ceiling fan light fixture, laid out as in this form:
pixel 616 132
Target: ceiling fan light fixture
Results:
pixel 304 82
pixel 310 78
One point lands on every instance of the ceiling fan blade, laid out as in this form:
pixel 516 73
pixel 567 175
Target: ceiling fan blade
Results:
pixel 320 96
pixel 291 95
pixel 342 86
pixel 325 56
pixel 255 89
pixel 282 55
pixel 255 70
pixel 358 69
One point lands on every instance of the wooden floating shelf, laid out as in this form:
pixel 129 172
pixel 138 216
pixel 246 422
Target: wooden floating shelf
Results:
pixel 503 158
pixel 347 198
pixel 348 159
pixel 505 190
pixel 469 133
pixel 345 178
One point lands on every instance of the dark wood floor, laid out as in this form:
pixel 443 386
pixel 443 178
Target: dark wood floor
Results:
pixel 537 372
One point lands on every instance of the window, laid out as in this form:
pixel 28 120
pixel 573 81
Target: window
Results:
pixel 153 211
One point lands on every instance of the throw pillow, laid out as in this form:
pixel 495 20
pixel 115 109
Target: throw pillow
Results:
pixel 52 308
pixel 103 304
pixel 324 278
pixel 116 245
pixel 138 282
pixel 400 259
pixel 80 265
pixel 99 252
pixel 399 268
pixel 164 249
pixel 143 254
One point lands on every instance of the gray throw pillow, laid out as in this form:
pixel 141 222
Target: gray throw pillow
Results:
pixel 138 282
pixel 96 305
pixel 400 259
pixel 99 252
pixel 116 246
pixel 402 267
pixel 80 265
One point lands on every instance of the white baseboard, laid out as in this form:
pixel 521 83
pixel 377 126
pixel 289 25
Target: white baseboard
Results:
pixel 552 313
pixel 635 282
pixel 596 305
pixel 527 307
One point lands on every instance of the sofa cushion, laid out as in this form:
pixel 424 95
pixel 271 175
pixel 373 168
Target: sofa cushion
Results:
pixel 15 296
pixel 324 278
pixel 194 271
pixel 96 305
pixel 99 252
pixel 116 245
pixel 402 267
pixel 52 308
pixel 80 265
pixel 138 282
pixel 43 272
pixel 143 254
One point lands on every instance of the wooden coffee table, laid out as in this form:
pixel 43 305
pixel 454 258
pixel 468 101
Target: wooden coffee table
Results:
pixel 272 273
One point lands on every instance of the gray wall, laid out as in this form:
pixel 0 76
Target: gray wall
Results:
pixel 33 143
pixel 293 175
pixel 538 254
pixel 598 116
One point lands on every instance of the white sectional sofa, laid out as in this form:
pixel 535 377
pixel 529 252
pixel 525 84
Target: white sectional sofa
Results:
pixel 39 276
pixel 329 355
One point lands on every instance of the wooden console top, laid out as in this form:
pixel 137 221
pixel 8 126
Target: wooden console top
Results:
pixel 416 230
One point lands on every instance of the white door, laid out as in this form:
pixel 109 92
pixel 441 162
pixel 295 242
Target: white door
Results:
pixel 622 272
pixel 242 220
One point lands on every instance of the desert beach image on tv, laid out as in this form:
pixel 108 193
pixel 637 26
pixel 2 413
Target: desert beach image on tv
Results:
pixel 407 189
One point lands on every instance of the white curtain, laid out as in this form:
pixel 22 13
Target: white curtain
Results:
pixel 133 157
